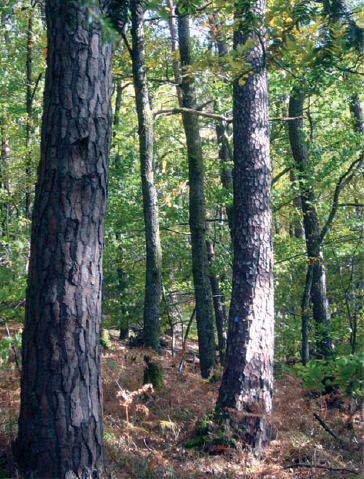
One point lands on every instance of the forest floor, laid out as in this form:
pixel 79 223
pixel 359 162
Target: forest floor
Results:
pixel 145 432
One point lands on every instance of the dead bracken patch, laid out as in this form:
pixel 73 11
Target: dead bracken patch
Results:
pixel 145 432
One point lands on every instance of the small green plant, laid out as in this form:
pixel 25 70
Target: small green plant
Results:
pixel 347 372
pixel 8 345
pixel 105 339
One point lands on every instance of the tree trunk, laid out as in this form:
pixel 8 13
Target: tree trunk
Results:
pixel 297 205
pixel 200 268
pixel 29 107
pixel 174 41
pixel 247 383
pixel 305 348
pixel 153 282
pixel 320 303
pixel 219 307
pixel 60 429
pixel 221 129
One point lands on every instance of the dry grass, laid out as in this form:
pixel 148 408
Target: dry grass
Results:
pixel 145 431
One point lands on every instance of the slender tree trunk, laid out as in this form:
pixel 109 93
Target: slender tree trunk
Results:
pixel 174 41
pixel 305 348
pixel 247 383
pixel 4 179
pixel 219 307
pixel 153 282
pixel 116 119
pixel 225 154
pixel 200 268
pixel 60 429
pixel 297 204
pixel 320 303
pixel 29 106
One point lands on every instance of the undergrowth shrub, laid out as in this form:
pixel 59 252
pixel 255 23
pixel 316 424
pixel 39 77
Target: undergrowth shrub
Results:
pixel 9 345
pixel 346 372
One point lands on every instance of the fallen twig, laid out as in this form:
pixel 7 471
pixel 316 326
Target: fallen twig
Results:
pixel 336 469
pixel 316 416
pixel 149 448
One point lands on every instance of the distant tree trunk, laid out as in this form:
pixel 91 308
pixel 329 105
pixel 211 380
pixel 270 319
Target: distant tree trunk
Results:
pixel 305 348
pixel 219 307
pixel 226 170
pixel 4 179
pixel 225 154
pixel 247 383
pixel 358 122
pixel 200 268
pixel 320 303
pixel 29 114
pixel 153 282
pixel 175 62
pixel 297 204
pixel 60 429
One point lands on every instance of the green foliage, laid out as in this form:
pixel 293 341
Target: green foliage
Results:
pixel 347 372
pixel 105 339
pixel 7 345
pixel 153 373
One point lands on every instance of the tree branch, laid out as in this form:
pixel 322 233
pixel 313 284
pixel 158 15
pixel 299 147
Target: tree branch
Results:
pixel 35 88
pixel 282 173
pixel 127 44
pixel 312 466
pixel 176 111
pixel 327 429
pixel 344 179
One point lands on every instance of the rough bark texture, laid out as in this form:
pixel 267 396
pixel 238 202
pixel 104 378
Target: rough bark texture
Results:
pixel 204 314
pixel 320 304
pixel 247 382
pixel 60 430
pixel 153 281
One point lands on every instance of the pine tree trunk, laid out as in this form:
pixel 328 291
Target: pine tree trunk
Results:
pixel 320 304
pixel 247 382
pixel 153 282
pixel 60 430
pixel 200 268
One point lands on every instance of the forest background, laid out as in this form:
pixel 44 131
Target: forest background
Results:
pixel 297 49
pixel 303 45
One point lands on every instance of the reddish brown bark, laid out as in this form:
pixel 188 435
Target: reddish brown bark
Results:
pixel 247 381
pixel 60 430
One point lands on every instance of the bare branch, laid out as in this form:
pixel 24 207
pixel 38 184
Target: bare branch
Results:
pixel 282 173
pixel 176 111
pixel 344 179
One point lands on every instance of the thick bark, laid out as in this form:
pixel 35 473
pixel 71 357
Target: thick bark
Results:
pixel 320 303
pixel 200 268
pixel 247 383
pixel 153 282
pixel 60 430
